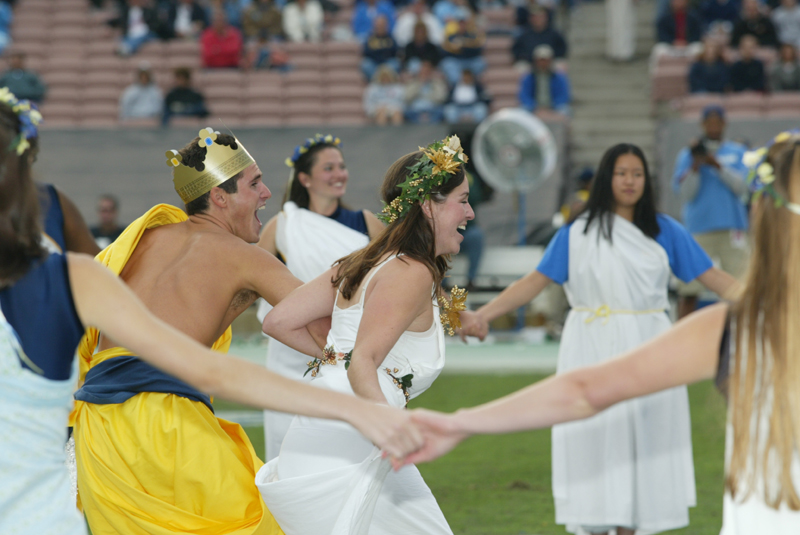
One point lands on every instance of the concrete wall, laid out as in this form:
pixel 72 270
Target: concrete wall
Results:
pixel 131 165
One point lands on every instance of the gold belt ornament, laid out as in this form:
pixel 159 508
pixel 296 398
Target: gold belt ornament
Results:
pixel 606 311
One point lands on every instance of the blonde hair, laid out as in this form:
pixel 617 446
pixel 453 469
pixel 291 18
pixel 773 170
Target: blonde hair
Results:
pixel 764 386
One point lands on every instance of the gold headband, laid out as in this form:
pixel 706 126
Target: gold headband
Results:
pixel 221 163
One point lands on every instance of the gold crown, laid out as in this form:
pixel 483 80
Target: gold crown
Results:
pixel 221 163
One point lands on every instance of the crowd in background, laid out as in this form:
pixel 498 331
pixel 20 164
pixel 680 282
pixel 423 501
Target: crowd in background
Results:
pixel 727 38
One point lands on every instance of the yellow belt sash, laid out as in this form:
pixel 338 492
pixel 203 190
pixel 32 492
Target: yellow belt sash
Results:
pixel 161 464
pixel 605 312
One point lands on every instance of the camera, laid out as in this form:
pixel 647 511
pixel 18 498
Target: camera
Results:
pixel 699 149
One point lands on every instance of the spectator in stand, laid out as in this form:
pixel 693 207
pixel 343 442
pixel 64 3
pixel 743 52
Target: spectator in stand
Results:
pixel 680 25
pixel 221 44
pixel 425 93
pixel 719 12
pixel 710 73
pixel 468 102
pixel 419 50
pixel 785 74
pixel 6 18
pixel 366 12
pixel 182 100
pixel 231 8
pixel 709 178
pixel 747 74
pixel 143 98
pixel 107 229
pixel 187 19
pixel 522 15
pixel 405 27
pixel 139 22
pixel 380 49
pixel 540 33
pixel 450 10
pixel 23 83
pixel 302 21
pixel 384 97
pixel 786 19
pixel 262 18
pixel 754 22
pixel 544 88
pixel 463 47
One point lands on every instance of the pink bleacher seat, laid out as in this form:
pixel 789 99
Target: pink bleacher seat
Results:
pixel 669 82
pixel 65 64
pixel 305 120
pixel 297 49
pixel 225 107
pixel 230 77
pixel 297 78
pixel 304 107
pixel 37 5
pixel 29 33
pixel 58 110
pixel 304 93
pixel 31 48
pixel 668 60
pixel 498 58
pixel 263 91
pixel 186 60
pixel 63 79
pixel 261 78
pixel 23 19
pixel 501 75
pixel 342 61
pixel 350 76
pixel 193 122
pixel 101 47
pixel 783 99
pixel 747 103
pixel 345 92
pixel 503 89
pixel 73 18
pixel 182 47
pixel 222 91
pixel 63 94
pixel 104 78
pixel 68 32
pixel 499 18
pixel 692 105
pixel 265 106
pixel 69 5
pixel 499 103
pixel 344 107
pixel 347 120
pixel 306 62
pixel 98 110
pixel 101 93
pixel 264 120
pixel 494 44
pixel 109 64
pixel 337 47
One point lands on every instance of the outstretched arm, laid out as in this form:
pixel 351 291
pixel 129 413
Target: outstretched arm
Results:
pixel 105 302
pixel 519 293
pixel 686 353
pixel 721 283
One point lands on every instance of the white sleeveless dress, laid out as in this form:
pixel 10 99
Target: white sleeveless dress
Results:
pixel 310 243
pixel 328 478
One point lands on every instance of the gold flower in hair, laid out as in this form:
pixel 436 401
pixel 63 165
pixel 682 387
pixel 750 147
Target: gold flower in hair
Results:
pixel 442 161
pixel 207 137
pixel 766 173
pixel 23 145
pixel 783 136
pixel 450 314
pixel 752 157
pixel 174 158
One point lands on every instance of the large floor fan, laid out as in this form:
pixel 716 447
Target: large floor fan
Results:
pixel 514 152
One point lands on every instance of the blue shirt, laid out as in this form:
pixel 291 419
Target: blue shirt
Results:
pixel 353 219
pixel 39 307
pixel 687 259
pixel 559 91
pixel 715 207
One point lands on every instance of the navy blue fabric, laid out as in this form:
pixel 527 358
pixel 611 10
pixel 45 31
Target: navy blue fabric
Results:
pixel 118 379
pixel 39 307
pixel 351 218
pixel 53 217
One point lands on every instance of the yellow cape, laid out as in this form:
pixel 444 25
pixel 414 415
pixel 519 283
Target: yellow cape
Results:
pixel 161 464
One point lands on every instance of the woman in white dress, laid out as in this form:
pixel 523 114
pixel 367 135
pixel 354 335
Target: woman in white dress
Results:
pixel 630 467
pixel 312 231
pixel 386 345
pixel 751 346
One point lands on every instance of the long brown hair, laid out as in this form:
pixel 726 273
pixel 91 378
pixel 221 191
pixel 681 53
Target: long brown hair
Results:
pixel 764 386
pixel 20 230
pixel 413 235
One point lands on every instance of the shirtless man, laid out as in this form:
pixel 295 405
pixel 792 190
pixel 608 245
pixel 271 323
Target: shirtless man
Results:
pixel 152 458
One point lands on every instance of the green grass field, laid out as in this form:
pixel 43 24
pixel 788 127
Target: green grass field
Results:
pixel 500 485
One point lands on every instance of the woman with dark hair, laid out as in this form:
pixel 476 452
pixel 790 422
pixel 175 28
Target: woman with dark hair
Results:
pixel 311 232
pixel 386 344
pixel 750 347
pixel 631 466
pixel 45 302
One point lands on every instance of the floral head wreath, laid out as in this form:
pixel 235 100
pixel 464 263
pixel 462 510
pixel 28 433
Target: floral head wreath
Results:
pixel 310 142
pixel 762 175
pixel 29 117
pixel 441 159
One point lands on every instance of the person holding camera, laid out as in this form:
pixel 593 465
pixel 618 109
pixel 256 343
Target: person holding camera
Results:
pixel 710 179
